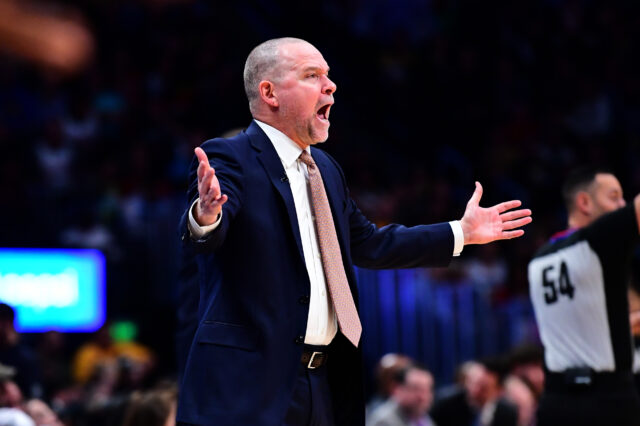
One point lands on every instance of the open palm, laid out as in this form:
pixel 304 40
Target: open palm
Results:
pixel 483 225
pixel 210 198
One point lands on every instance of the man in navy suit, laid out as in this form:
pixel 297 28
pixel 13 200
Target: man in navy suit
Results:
pixel 274 345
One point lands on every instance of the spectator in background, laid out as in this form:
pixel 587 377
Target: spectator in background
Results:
pixel 478 400
pixel 495 409
pixel 526 364
pixel 14 417
pixel 458 405
pixel 11 400
pixel 41 414
pixel 522 396
pixel 410 400
pixel 14 354
pixel 54 362
pixel 387 377
pixel 10 394
pixel 153 408
pixel 103 352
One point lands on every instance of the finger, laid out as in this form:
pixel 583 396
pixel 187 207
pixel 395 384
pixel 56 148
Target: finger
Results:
pixel 203 165
pixel 516 223
pixel 202 156
pixel 516 214
pixel 221 200
pixel 209 201
pixel 507 235
pixel 508 205
pixel 214 189
pixel 205 184
pixel 215 205
pixel 202 168
pixel 477 194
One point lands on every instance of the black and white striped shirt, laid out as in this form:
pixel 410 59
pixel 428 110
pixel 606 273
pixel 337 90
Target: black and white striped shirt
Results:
pixel 578 286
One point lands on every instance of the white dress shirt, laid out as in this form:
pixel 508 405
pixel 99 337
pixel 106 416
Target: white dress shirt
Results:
pixel 322 324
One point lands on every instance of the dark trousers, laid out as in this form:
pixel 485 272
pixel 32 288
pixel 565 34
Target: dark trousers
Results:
pixel 600 410
pixel 613 401
pixel 311 399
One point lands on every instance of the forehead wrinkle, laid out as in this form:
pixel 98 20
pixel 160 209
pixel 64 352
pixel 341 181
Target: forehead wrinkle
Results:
pixel 307 63
pixel 301 58
pixel 318 68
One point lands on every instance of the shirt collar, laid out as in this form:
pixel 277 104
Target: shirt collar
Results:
pixel 287 149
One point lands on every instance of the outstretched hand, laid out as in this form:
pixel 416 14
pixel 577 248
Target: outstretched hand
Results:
pixel 484 225
pixel 211 199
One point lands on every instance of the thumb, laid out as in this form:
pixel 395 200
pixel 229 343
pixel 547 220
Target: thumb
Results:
pixel 477 195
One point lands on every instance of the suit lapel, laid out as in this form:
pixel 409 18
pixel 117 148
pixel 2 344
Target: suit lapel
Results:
pixel 268 157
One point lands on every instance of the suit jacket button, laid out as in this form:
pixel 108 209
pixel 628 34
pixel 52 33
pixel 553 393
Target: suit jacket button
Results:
pixel 299 340
pixel 304 300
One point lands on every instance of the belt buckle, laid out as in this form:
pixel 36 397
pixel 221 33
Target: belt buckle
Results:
pixel 313 355
pixel 579 377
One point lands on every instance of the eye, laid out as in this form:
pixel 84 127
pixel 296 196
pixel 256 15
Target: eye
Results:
pixel 615 197
pixel 312 75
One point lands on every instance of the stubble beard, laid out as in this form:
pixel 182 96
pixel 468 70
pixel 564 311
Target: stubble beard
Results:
pixel 317 136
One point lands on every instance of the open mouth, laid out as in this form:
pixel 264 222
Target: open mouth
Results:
pixel 323 113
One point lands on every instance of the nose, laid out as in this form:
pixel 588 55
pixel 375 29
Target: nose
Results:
pixel 329 87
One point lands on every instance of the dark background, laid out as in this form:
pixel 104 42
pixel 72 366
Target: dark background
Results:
pixel 432 95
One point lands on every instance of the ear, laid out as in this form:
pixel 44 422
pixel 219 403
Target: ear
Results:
pixel 268 94
pixel 584 203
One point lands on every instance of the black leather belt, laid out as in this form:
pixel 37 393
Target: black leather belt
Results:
pixel 313 359
pixel 585 378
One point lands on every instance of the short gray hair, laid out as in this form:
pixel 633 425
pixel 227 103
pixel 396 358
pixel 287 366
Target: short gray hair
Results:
pixel 261 63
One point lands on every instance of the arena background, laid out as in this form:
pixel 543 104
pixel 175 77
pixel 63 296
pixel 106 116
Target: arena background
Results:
pixel 431 96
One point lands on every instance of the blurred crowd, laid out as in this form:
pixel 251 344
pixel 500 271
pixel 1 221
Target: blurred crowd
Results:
pixel 499 391
pixel 108 380
pixel 431 96
pixel 112 383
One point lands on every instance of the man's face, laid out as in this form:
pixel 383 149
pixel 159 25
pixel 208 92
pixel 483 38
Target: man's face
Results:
pixel 416 395
pixel 476 384
pixel 605 194
pixel 305 94
pixel 10 394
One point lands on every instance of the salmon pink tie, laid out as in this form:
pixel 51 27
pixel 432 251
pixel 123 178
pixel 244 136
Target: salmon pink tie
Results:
pixel 331 256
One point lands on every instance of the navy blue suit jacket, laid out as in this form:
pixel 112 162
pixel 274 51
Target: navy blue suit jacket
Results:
pixel 254 287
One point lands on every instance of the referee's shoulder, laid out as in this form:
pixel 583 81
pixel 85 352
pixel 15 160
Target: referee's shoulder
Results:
pixel 553 246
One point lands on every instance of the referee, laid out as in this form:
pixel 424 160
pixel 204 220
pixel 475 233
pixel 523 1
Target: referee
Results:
pixel 578 286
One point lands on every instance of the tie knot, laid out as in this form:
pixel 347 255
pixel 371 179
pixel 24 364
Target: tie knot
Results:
pixel 307 159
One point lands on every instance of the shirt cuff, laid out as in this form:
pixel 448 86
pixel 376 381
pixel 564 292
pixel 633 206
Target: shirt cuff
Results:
pixel 458 237
pixel 197 231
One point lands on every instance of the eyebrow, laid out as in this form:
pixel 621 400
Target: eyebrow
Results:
pixel 315 68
